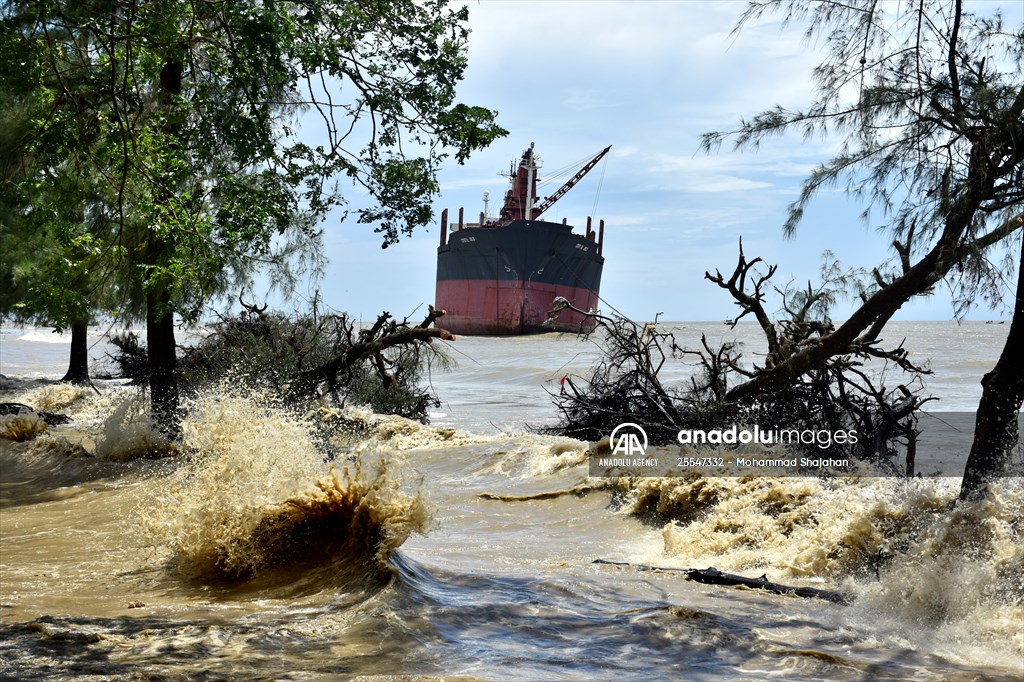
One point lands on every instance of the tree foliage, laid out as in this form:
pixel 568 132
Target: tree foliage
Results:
pixel 927 100
pixel 189 112
pixel 191 120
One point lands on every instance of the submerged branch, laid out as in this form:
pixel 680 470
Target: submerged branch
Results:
pixel 712 576
pixel 578 491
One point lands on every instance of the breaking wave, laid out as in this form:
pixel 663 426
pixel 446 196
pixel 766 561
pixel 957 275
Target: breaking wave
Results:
pixel 256 494
pixel 21 427
pixel 55 397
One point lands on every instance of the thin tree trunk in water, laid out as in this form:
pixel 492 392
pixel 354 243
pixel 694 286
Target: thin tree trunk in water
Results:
pixel 78 365
pixel 163 380
pixel 995 430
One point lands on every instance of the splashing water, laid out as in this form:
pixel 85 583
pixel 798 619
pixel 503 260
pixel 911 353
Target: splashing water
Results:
pixel 21 427
pixel 56 397
pixel 129 433
pixel 256 493
pixel 266 562
pixel 897 545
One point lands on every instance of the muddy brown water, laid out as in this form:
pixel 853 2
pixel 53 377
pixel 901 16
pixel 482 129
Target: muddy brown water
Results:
pixel 254 558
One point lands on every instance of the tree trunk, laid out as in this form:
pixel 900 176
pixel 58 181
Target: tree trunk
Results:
pixel 78 366
pixel 163 360
pixel 995 429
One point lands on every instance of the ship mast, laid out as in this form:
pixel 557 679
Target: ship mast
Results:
pixel 519 197
pixel 531 183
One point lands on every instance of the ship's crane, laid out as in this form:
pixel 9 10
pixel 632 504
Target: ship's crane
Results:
pixel 561 191
pixel 519 198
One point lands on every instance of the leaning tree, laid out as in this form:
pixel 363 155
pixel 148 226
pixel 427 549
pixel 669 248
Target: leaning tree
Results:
pixel 220 128
pixel 927 99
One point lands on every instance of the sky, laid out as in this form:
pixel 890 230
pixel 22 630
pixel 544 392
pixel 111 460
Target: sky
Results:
pixel 647 77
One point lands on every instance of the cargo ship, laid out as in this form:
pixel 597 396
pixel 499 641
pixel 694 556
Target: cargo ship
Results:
pixel 499 276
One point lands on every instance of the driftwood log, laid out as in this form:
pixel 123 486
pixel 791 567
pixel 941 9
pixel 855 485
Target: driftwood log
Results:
pixel 578 491
pixel 712 576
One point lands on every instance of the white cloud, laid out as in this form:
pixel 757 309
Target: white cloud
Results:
pixel 586 100
pixel 723 183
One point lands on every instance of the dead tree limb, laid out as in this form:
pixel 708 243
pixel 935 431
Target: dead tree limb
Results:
pixel 625 385
pixel 865 323
pixel 385 333
pixel 750 303
pixel 578 491
pixel 832 394
pixel 712 576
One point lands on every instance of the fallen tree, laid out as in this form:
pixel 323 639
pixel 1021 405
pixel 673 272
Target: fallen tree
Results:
pixel 624 386
pixel 308 357
pixel 928 104
pixel 838 393
pixel 371 345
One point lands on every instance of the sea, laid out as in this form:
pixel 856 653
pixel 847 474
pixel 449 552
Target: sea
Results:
pixel 465 548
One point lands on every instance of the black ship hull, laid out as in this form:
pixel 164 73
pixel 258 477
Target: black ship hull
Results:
pixel 503 280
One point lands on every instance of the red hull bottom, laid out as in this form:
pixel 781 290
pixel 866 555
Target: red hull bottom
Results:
pixel 510 307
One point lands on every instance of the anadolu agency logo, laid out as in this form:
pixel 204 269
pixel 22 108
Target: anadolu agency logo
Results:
pixel 628 440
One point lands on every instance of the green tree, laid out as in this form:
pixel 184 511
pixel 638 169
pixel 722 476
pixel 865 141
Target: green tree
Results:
pixel 46 275
pixel 190 110
pixel 927 99
pixel 48 217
